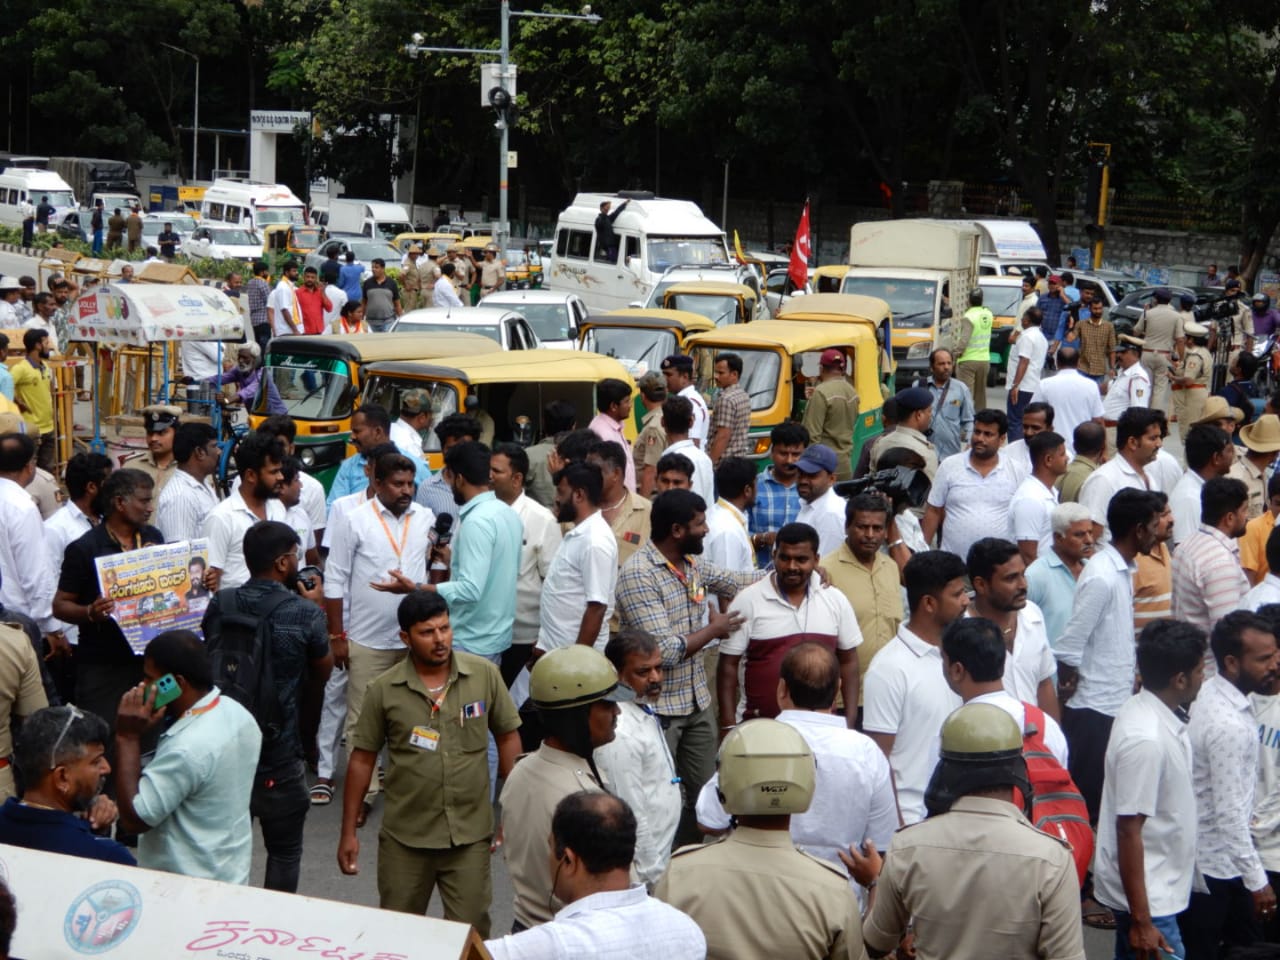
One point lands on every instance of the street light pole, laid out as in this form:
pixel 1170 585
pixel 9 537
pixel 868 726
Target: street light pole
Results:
pixel 195 120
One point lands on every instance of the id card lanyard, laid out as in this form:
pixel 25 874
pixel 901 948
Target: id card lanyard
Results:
pixel 398 548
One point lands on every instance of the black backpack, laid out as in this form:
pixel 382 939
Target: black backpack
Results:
pixel 239 646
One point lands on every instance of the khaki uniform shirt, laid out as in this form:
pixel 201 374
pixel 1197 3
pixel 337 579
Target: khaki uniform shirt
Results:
pixel 539 781
pixel 21 691
pixel 45 492
pixel 755 895
pixel 463 272
pixel 437 785
pixel 1077 473
pixel 912 440
pixel 1161 326
pixel 977 883
pixel 411 284
pixel 647 450
pixel 875 594
pixel 1255 480
pixel 146 462
pixel 830 417
pixel 1242 325
pixel 631 526
pixel 492 275
pixel 1196 365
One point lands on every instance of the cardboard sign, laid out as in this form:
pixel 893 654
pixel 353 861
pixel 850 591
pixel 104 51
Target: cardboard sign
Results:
pixel 154 590
pixel 70 908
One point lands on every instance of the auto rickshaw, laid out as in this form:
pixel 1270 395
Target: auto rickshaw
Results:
pixel 507 392
pixel 288 241
pixel 430 241
pixel 640 338
pixel 780 367
pixel 850 308
pixel 828 278
pixel 720 302
pixel 319 376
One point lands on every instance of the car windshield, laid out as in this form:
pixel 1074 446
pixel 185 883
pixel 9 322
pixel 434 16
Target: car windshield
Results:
pixel 550 321
pixel 664 252
pixel 1002 300
pixel 265 215
pixel 237 238
pixel 912 301
pixel 516 258
pixel 490 330
pixel 761 370
pixel 386 392
pixel 312 388
pixel 638 350
pixel 722 311
pixel 1122 288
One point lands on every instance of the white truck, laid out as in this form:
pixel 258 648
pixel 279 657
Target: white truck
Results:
pixel 369 218
pixel 924 269
pixel 652 235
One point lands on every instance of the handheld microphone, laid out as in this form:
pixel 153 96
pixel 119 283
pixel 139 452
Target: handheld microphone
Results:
pixel 443 530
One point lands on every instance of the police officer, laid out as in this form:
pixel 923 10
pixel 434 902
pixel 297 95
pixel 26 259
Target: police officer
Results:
pixel 576 693
pixel 1192 375
pixel 753 893
pixel 1242 322
pixel 973 348
pixel 411 279
pixel 915 414
pixel 976 878
pixel 1164 333
pixel 832 411
pixel 161 422
pixel 493 272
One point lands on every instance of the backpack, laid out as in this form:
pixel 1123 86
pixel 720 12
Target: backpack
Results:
pixel 1057 807
pixel 239 646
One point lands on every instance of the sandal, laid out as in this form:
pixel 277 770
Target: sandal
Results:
pixel 322 794
pixel 366 808
pixel 1096 915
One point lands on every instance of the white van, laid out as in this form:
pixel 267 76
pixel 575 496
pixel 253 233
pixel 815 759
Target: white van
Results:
pixel 250 204
pixel 654 234
pixel 1009 248
pixel 21 183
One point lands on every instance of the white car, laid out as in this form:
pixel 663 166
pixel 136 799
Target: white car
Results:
pixel 497 323
pixel 224 243
pixel 554 315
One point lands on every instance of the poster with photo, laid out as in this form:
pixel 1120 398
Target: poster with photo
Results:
pixel 156 589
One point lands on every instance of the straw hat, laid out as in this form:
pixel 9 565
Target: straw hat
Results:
pixel 1263 435
pixel 1217 408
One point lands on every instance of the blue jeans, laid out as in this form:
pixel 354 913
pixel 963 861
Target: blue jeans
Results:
pixel 1168 927
pixel 97 241
pixel 1015 405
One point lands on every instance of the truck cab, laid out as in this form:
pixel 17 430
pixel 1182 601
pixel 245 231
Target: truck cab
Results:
pixel 375 219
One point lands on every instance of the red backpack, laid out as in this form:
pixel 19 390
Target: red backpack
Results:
pixel 1058 808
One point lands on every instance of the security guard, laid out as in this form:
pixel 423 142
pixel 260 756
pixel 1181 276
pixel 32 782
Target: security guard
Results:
pixel 1192 375
pixel 576 693
pixel 411 279
pixel 832 411
pixel 973 348
pixel 976 879
pixel 753 893
pixel 161 422
pixel 915 414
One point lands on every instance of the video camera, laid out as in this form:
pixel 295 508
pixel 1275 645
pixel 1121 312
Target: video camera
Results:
pixel 896 483
pixel 1211 311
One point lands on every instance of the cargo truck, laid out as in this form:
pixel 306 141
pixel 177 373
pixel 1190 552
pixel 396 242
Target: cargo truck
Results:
pixel 369 218
pixel 111 181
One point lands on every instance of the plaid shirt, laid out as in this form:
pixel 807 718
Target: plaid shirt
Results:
pixel 258 292
pixel 652 598
pixel 1097 346
pixel 776 506
pixel 733 412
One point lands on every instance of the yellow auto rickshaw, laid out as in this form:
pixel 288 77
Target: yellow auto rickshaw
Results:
pixel 720 302
pixel 871 312
pixel 640 338
pixel 316 379
pixel 288 241
pixel 780 366
pixel 430 241
pixel 507 392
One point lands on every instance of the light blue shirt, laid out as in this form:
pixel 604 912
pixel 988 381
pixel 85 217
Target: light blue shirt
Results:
pixel 195 793
pixel 6 382
pixel 481 589
pixel 350 477
pixel 1052 588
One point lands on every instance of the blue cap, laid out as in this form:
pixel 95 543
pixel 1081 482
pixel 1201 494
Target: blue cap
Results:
pixel 913 398
pixel 817 457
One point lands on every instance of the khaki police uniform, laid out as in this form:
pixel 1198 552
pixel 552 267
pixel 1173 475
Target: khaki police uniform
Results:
pixel 1254 479
pixel 830 417
pixel 146 462
pixel 21 694
pixel 911 439
pixel 463 271
pixel 539 781
pixel 438 820
pixel 976 883
pixel 1161 327
pixel 651 441
pixel 45 492
pixel 1188 400
pixel 1241 324
pixel 411 281
pixel 493 276
pixel 755 895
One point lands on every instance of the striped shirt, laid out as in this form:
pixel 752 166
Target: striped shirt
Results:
pixel 1208 581
pixel 1152 588
pixel 183 506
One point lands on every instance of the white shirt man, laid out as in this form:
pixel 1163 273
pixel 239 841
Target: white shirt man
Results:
pixel 337 298
pixel 184 507
pixel 225 528
pixel 1131 388
pixel 407 439
pixel 1098 639
pixel 27 583
pixel 1075 400
pixel 443 293
pixel 704 473
pixel 1031 661
pixel 1032 346
pixel 701 418
pixel 541 542
pixel 584 570
pixel 283 306
pixel 1030 511
pixel 638 766
pixel 976 506
pixel 852 797
pixel 826 515
pixel 905 694
pixel 727 543
pixel 1265 823
pixel 66 525
pixel 1267 591
pixel 1109 479
pixel 201 358
pixel 1184 501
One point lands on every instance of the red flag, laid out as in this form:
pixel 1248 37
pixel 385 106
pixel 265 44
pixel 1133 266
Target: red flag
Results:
pixel 798 271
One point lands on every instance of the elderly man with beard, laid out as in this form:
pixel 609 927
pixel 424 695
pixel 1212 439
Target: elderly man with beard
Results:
pixel 62 756
pixel 247 376
pixel 638 763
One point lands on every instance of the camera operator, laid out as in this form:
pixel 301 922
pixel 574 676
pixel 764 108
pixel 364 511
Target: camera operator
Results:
pixel 1242 320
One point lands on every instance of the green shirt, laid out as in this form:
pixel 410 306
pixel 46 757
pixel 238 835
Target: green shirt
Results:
pixel 1077 473
pixel 437 798
pixel 830 417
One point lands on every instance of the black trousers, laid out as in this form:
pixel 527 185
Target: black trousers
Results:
pixel 279 803
pixel 1219 919
pixel 1087 732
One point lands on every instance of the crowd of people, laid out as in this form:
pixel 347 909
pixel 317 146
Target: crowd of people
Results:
pixel 1044 696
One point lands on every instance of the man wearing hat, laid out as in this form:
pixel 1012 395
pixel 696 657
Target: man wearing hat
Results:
pixel 1219 413
pixel 1261 444
pixel 1191 375
pixel 160 421
pixel 493 272
pixel 915 413
pixel 820 506
pixel 415 417
pixel 832 411
pixel 1132 384
pixel 1164 332
pixel 678 370
pixel 411 279
pixel 10 294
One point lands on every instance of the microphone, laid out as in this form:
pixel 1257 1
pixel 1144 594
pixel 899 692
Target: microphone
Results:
pixel 442 536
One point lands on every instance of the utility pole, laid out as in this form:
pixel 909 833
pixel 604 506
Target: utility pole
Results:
pixel 1098 234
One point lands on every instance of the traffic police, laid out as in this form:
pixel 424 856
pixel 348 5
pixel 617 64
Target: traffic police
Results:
pixel 411 279
pixel 832 411
pixel 161 422
pixel 576 692
pixel 915 414
pixel 1163 330
pixel 973 348
pixel 976 879
pixel 1192 376
pixel 753 893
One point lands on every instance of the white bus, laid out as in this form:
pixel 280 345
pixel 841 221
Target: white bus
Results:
pixel 250 203
pixel 21 183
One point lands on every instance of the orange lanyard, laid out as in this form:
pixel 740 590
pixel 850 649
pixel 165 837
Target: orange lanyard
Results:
pixel 692 584
pixel 197 711
pixel 404 534
pixel 438 701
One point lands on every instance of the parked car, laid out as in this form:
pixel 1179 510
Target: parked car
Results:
pixel 224 243
pixel 1111 285
pixel 153 225
pixel 1126 313
pixel 74 225
pixel 497 323
pixel 366 250
pixel 554 315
